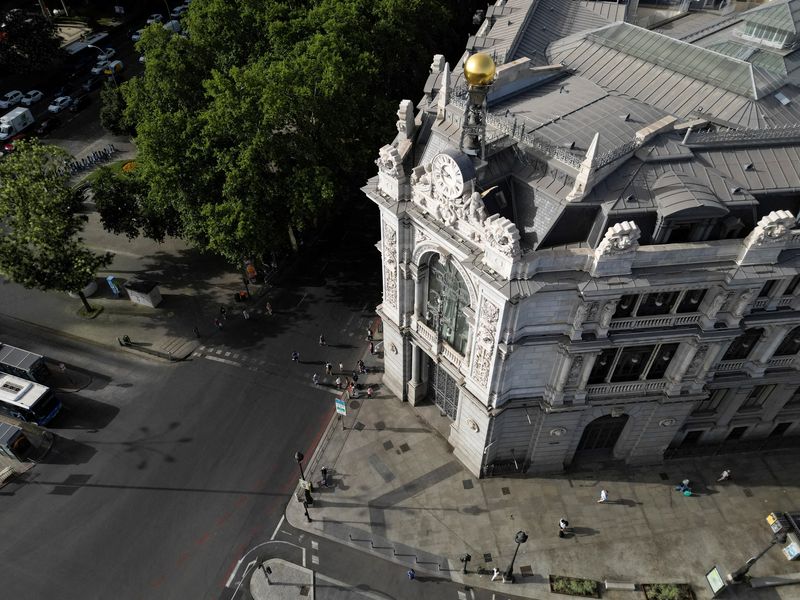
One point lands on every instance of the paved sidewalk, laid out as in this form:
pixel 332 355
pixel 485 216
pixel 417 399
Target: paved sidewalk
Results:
pixel 276 579
pixel 397 490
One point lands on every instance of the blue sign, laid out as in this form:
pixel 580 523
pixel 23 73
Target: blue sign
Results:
pixel 341 407
pixel 112 285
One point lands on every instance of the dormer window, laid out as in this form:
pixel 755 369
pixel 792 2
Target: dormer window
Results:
pixel 769 36
pixel 687 209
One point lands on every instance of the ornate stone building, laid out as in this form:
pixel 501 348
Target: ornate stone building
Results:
pixel 593 254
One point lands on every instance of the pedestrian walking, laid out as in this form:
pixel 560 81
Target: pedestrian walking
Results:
pixel 341 367
pixel 355 378
pixel 322 341
pixel 196 331
pixel 603 496
pixel 361 367
pixel 338 383
pixel 315 379
pixel 369 392
pixel 268 308
pixel 412 574
pixel 223 312
pixel 245 314
pixel 295 356
pixel 562 527
pixel 324 471
pixel 218 323
pixel 328 368
pixel 372 347
pixel 369 334
pixel 495 573
pixel 726 474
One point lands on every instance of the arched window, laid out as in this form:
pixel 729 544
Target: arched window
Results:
pixel 447 298
pixel 790 344
pixel 743 345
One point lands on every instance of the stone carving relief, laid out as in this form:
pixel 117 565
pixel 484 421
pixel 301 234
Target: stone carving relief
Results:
pixel 771 228
pixel 717 303
pixel 390 262
pixel 622 237
pixel 484 341
pixel 591 313
pixel 503 236
pixel 389 161
pixel 609 308
pixel 742 303
pixel 575 371
pixel 580 315
pixel 697 360
pixel 405 119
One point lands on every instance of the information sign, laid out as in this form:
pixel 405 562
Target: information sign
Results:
pixel 715 580
pixel 341 407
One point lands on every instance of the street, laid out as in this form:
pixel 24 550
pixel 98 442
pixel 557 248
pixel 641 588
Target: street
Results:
pixel 163 475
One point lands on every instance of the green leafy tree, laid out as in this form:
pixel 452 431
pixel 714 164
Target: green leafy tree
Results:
pixel 112 109
pixel 269 114
pixel 28 43
pixel 41 220
pixel 120 201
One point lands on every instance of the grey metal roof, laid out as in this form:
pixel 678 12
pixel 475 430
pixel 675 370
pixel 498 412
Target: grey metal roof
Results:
pixel 705 65
pixel 770 169
pixel 678 193
pixel 554 19
pixel 777 14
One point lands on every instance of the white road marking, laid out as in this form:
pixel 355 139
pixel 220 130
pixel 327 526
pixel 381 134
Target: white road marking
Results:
pixel 277 527
pixel 227 354
pixel 197 354
pixel 202 348
pixel 223 360
pixel 315 544
pixel 304 557
pixel 461 595
pixel 233 573
pixel 219 351
pixel 314 559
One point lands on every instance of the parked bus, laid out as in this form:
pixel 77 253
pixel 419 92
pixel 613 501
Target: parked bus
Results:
pixel 22 363
pixel 27 401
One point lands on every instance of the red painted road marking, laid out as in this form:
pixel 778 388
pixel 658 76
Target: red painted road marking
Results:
pixel 203 539
pixel 183 558
pixel 157 583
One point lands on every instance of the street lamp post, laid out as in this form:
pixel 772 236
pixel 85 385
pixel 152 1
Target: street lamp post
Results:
pixel 465 559
pixel 738 576
pixel 520 538
pixel 307 488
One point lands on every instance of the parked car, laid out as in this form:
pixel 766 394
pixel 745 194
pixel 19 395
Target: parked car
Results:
pixel 173 26
pixel 155 18
pixel 92 83
pixel 9 145
pixel 64 90
pixel 178 11
pixel 137 35
pixel 11 99
pixel 59 104
pixel 79 103
pixel 108 54
pixel 32 97
pixel 47 126
pixel 100 67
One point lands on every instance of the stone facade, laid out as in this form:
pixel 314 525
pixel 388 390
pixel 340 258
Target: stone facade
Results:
pixel 630 346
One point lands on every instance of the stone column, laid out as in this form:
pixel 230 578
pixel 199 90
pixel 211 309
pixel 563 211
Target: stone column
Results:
pixel 416 387
pixel 583 379
pixel 705 357
pixel 765 348
pixel 554 392
pixel 679 366
pixel 712 303
pixel 419 275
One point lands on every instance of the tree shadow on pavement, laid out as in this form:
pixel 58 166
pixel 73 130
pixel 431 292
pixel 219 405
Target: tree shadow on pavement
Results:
pixel 80 412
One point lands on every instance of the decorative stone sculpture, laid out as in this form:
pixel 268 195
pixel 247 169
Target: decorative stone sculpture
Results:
pixel 575 371
pixel 697 360
pixel 622 237
pixel 389 161
pixel 772 228
pixel 742 303
pixel 608 311
pixel 476 211
pixel 502 235
pixel 405 119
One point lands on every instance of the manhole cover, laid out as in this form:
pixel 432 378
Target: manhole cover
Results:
pixel 747 492
pixel 506 491
pixel 359 426
pixel 354 404
pixel 304 589
pixel 388 445
pixel 487 557
pixel 404 448
pixel 380 425
pixel 467 483
pixel 527 571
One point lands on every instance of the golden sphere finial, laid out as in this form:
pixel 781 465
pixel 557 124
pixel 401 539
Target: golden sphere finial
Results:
pixel 479 69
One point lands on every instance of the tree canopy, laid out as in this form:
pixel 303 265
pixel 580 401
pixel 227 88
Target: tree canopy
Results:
pixel 28 43
pixel 253 126
pixel 41 220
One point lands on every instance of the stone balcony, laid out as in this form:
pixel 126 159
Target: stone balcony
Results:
pixel 444 349
pixel 681 320
pixel 597 390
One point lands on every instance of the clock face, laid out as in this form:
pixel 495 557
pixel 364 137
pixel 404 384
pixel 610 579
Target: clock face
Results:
pixel 447 176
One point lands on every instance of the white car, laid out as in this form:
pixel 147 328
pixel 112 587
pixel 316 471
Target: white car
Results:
pixel 32 97
pixel 155 18
pixel 108 54
pixel 99 67
pixel 178 11
pixel 11 99
pixel 59 104
pixel 138 35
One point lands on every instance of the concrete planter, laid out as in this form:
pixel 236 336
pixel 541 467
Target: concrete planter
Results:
pixel 668 591
pixel 574 586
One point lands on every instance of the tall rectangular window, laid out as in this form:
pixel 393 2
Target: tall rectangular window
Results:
pixel 757 397
pixel 767 288
pixel 602 365
pixel 711 404
pixel 631 363
pixel 691 300
pixel 792 286
pixel 661 360
pixel 657 304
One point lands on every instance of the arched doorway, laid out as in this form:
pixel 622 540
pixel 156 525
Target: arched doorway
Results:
pixel 599 438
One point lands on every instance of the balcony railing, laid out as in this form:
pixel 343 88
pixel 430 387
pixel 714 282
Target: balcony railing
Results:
pixel 785 301
pixel 628 387
pixel 780 362
pixel 759 303
pixel 426 333
pixel 451 355
pixel 727 366
pixel 659 321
